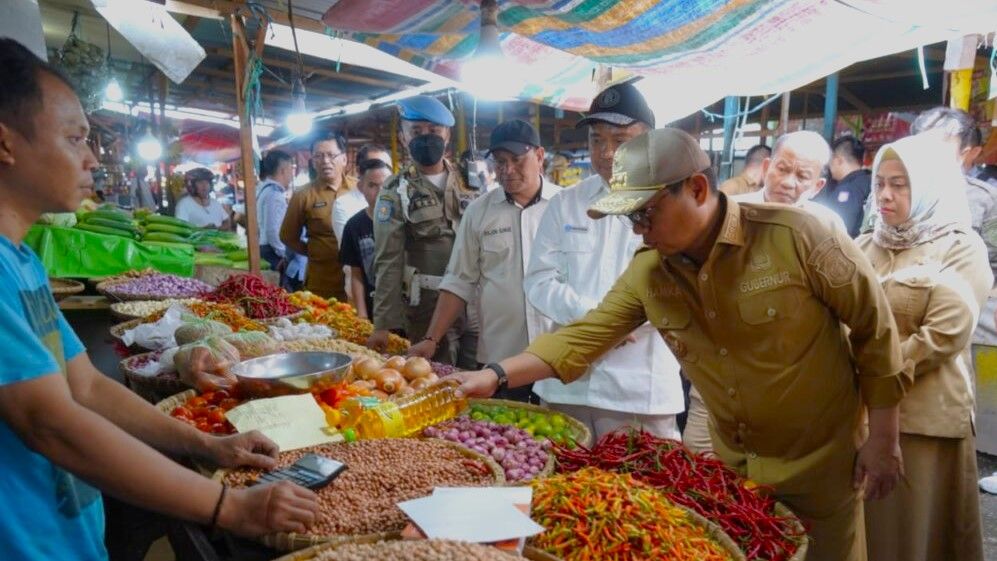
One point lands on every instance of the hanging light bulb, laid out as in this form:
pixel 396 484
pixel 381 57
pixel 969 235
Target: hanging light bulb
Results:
pixel 113 91
pixel 149 147
pixel 489 74
pixel 299 120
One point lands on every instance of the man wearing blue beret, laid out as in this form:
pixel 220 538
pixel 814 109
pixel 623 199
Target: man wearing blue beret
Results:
pixel 415 223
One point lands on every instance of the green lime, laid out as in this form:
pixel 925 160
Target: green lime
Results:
pixel 558 421
pixel 477 416
pixel 350 435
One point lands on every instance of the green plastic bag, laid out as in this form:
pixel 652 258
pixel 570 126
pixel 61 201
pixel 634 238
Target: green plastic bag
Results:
pixel 71 252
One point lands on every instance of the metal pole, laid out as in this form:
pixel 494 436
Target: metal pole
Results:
pixel 830 106
pixel 394 142
pixel 730 120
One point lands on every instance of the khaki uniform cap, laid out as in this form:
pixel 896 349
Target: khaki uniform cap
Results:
pixel 644 165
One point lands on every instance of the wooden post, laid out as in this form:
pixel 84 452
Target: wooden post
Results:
pixel 240 49
pixel 763 131
pixel 784 115
pixel 395 156
pixel 461 119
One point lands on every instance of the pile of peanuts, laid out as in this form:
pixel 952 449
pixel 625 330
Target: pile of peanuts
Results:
pixel 379 474
pixel 423 550
pixel 330 345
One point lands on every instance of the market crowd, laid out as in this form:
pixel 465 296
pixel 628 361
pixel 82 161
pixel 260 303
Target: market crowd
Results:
pixel 819 314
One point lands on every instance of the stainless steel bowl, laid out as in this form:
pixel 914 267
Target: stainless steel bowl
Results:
pixel 290 373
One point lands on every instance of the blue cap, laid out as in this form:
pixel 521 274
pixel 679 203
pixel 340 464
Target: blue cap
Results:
pixel 425 108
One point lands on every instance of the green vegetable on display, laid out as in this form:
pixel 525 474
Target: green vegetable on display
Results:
pixel 542 425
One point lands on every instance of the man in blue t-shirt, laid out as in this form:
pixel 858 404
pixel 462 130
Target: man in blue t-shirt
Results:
pixel 357 249
pixel 66 430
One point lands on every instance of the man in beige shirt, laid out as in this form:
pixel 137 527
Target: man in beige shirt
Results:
pixel 750 178
pixel 492 249
pixel 751 299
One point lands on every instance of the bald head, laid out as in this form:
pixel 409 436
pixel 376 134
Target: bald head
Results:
pixel 798 159
pixel 807 145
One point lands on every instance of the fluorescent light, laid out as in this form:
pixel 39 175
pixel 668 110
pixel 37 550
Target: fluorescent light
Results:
pixel 149 148
pixel 113 91
pixel 299 123
pixel 264 127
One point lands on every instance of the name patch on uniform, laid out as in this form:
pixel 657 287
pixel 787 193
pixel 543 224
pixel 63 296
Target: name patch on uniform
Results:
pixel 320 204
pixel 422 202
pixel 669 290
pixel 572 228
pixel 768 281
pixel 383 211
pixel 495 231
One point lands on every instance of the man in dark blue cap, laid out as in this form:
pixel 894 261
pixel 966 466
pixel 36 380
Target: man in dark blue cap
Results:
pixel 415 224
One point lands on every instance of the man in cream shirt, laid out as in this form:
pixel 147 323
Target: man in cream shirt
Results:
pixel 575 261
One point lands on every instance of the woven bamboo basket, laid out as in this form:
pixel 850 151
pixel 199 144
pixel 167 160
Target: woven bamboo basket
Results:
pixel 802 542
pixel 294 542
pixel 117 332
pixel 308 554
pixel 63 288
pixel 170 403
pixel 581 433
pixel 151 388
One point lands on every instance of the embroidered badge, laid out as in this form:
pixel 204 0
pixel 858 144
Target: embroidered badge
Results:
pixel 383 211
pixel 830 262
pixel 760 261
pixel 609 98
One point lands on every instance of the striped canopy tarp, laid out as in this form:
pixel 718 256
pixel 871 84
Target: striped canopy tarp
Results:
pixel 702 49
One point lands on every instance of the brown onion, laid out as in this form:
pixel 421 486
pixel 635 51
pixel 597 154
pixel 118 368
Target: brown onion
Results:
pixel 416 367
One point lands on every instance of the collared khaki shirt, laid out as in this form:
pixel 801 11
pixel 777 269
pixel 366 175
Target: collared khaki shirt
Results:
pixel 936 291
pixel 414 225
pixel 739 185
pixel 311 208
pixel 758 330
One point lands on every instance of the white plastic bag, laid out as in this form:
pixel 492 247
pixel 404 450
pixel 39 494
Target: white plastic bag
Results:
pixel 157 336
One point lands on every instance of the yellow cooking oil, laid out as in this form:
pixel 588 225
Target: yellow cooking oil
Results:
pixel 411 414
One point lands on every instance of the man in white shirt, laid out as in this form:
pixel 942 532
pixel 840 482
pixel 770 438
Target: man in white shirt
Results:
pixel 492 250
pixel 276 172
pixel 575 261
pixel 793 174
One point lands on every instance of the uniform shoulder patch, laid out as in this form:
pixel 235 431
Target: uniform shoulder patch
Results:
pixel 384 210
pixel 830 262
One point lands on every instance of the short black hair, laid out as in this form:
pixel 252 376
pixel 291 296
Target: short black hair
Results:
pixel 271 162
pixel 338 138
pixel 756 154
pixel 371 164
pixel 21 92
pixel 849 148
pixel 364 152
pixel 954 122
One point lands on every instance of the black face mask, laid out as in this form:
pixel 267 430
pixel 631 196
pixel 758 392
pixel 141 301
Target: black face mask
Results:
pixel 427 149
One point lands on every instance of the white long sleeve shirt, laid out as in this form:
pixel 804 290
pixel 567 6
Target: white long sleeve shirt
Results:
pixel 574 262
pixel 271 206
pixel 488 260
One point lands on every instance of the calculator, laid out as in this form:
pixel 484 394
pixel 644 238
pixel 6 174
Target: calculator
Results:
pixel 312 471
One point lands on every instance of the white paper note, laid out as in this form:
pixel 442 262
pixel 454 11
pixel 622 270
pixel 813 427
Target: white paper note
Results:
pixel 292 421
pixel 470 518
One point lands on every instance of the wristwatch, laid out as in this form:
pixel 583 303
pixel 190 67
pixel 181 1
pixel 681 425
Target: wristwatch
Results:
pixel 503 378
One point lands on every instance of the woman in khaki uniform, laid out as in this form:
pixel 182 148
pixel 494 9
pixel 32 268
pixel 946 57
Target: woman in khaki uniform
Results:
pixel 936 275
pixel 311 209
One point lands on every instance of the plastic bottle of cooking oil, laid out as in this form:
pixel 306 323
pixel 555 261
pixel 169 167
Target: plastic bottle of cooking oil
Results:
pixel 410 415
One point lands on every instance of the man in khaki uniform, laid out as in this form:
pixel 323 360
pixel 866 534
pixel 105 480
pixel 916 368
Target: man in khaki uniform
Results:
pixel 750 178
pixel 751 300
pixel 311 208
pixel 415 223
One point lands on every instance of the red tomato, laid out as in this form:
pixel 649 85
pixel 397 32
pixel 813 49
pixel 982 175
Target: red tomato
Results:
pixel 203 425
pixel 196 401
pixel 330 396
pixel 221 395
pixel 229 403
pixel 218 428
pixel 182 413
pixel 208 397
pixel 201 412
pixel 216 416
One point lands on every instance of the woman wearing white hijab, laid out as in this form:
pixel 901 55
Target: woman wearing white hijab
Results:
pixel 936 275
